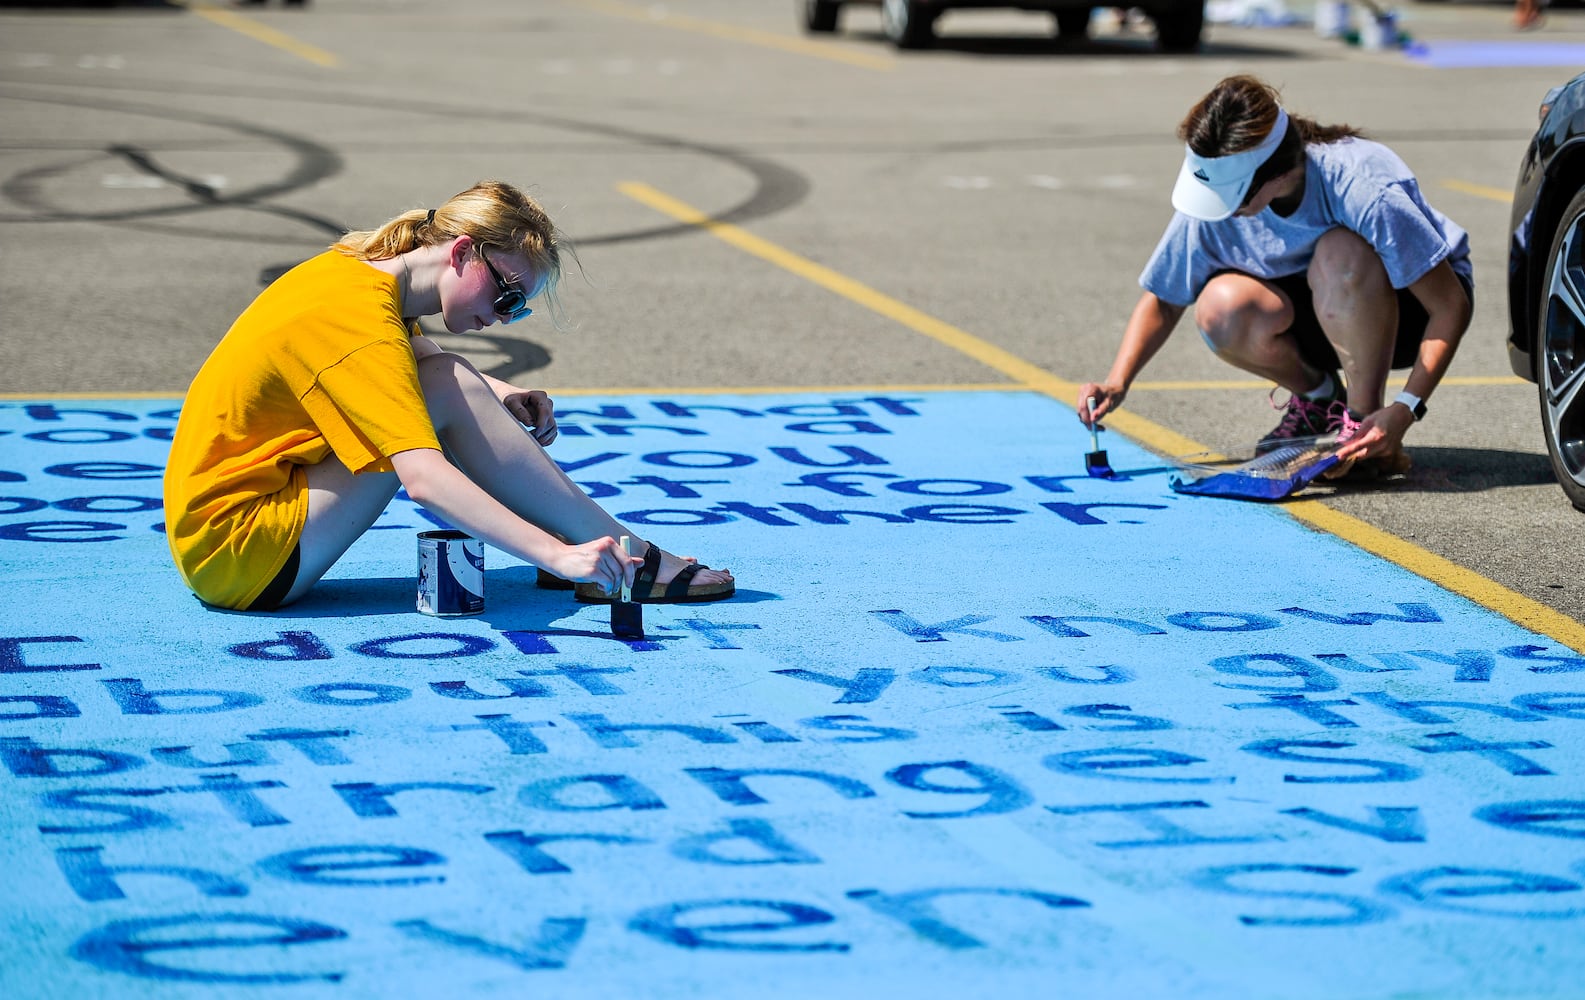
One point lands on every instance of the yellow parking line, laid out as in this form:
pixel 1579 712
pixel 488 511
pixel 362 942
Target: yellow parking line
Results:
pixel 1510 604
pixel 1479 190
pixel 735 33
pixel 259 32
pixel 981 350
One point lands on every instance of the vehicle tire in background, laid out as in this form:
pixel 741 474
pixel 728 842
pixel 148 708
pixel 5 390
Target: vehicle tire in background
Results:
pixel 1559 352
pixel 1073 24
pixel 1178 28
pixel 907 24
pixel 820 15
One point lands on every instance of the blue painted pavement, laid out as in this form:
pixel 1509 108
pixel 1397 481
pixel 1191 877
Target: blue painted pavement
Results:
pixel 976 723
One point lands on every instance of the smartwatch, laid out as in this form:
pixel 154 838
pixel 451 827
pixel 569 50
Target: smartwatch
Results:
pixel 1414 403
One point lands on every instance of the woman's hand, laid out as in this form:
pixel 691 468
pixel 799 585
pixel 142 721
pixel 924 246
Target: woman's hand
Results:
pixel 1379 434
pixel 1107 398
pixel 535 411
pixel 601 561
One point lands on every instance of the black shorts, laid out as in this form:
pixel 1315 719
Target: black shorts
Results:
pixel 279 587
pixel 1318 351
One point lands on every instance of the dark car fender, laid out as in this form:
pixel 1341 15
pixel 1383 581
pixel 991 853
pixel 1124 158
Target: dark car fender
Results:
pixel 1551 173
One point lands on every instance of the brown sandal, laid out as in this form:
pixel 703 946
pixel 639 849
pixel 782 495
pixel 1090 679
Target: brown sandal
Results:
pixel 681 589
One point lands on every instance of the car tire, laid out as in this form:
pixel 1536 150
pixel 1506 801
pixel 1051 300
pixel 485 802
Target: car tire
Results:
pixel 1073 24
pixel 907 24
pixel 1558 354
pixel 1178 29
pixel 821 15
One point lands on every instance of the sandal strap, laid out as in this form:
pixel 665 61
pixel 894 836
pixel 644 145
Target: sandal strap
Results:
pixel 644 579
pixel 678 587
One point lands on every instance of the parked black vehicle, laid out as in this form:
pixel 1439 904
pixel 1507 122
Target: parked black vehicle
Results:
pixel 910 24
pixel 1546 279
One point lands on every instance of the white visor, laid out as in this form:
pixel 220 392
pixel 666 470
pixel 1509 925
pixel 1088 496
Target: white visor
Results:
pixel 1211 188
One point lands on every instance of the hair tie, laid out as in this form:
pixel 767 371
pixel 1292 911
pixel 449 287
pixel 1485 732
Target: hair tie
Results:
pixel 429 220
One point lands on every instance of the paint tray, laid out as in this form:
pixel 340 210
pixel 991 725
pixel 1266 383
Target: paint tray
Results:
pixel 1277 474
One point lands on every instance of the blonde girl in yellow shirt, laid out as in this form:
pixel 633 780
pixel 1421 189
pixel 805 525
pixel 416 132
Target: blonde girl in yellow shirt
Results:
pixel 323 398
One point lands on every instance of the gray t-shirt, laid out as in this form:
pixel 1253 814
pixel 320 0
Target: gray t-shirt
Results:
pixel 1354 183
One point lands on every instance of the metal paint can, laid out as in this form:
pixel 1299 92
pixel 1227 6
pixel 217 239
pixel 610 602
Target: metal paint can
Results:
pixel 450 574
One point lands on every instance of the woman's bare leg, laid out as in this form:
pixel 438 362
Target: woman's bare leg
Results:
pixel 1246 322
pixel 489 445
pixel 1358 311
pixel 341 507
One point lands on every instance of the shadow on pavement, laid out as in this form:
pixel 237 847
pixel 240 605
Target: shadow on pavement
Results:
pixel 512 601
pixel 1465 470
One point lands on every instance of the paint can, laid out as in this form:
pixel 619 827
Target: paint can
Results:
pixel 1332 18
pixel 450 574
pixel 1380 32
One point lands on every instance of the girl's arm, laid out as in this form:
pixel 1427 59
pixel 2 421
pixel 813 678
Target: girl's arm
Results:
pixel 1149 326
pixel 443 489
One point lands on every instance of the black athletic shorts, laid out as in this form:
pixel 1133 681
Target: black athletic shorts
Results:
pixel 279 587
pixel 1317 350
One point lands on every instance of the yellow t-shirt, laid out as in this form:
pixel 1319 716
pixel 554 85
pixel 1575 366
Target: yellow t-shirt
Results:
pixel 320 363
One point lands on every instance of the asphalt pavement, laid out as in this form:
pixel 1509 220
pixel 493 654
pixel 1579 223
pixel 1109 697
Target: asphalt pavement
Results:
pixel 832 305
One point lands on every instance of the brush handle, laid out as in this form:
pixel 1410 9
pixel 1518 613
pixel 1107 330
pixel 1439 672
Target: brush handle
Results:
pixel 627 550
pixel 1095 437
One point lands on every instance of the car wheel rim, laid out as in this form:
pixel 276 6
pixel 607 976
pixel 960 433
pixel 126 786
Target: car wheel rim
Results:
pixel 1561 373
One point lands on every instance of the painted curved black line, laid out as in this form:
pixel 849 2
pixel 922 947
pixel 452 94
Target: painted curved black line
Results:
pixel 314 163
pixel 776 187
pixel 203 193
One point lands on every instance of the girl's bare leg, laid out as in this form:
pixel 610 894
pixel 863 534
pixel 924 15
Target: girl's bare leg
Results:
pixel 341 507
pixel 1358 311
pixel 1246 323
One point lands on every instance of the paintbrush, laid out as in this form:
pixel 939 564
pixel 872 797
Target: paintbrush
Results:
pixel 627 618
pixel 1095 462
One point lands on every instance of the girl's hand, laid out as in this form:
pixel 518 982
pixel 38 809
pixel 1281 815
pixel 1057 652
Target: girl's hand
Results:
pixel 601 561
pixel 1107 398
pixel 1379 434
pixel 535 411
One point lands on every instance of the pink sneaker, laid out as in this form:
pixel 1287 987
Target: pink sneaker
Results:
pixel 1303 418
pixel 1341 421
pixel 1393 464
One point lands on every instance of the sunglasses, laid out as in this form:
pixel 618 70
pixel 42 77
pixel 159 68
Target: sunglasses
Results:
pixel 512 303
